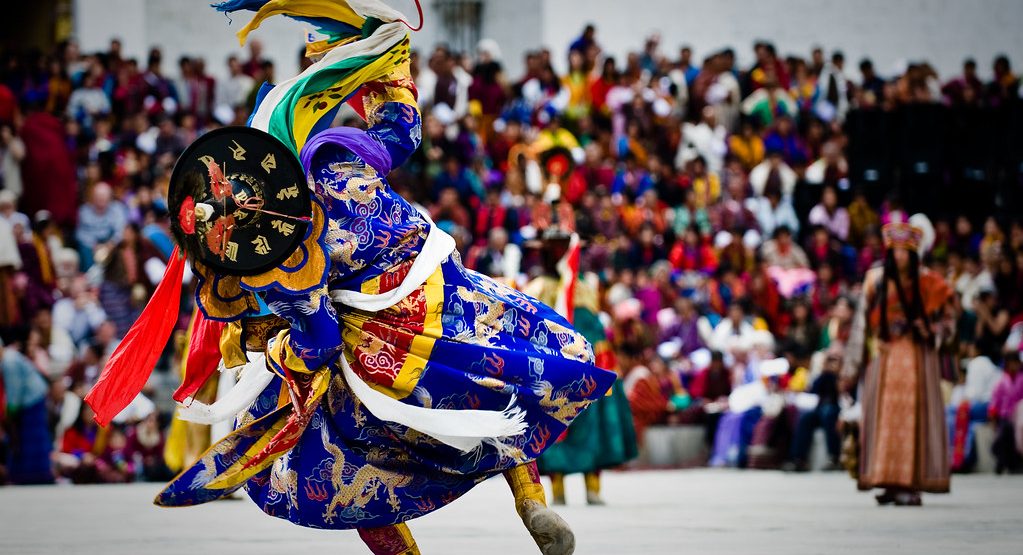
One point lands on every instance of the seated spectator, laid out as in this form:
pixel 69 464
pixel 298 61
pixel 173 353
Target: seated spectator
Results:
pixel 89 101
pixel 57 348
pixel 735 327
pixel 693 253
pixel 992 325
pixel 705 183
pixel 18 222
pixel 735 430
pixel 689 214
pixel 449 209
pixel 706 140
pixel 23 413
pixel 101 223
pixel 969 406
pixel 746 146
pixel 773 211
pixel 126 286
pixel 802 336
pixel 831 169
pixel 773 171
pixel 82 444
pixel 837 327
pixel 862 218
pixel 144 450
pixel 771 437
pixel 734 212
pixel 787 264
pixel 79 313
pixel 782 138
pixel 824 416
pixel 766 104
pixel 648 250
pixel 964 239
pixel 782 252
pixel 710 388
pixel 654 393
pixel 827 288
pixel 501 258
pixel 1005 413
pixel 684 328
pixel 830 215
pixel 114 466
pixel 822 249
pixel 871 253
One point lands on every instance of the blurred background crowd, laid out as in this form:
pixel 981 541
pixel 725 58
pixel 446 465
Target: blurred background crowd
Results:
pixel 728 215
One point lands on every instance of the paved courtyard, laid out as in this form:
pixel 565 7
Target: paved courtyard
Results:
pixel 658 512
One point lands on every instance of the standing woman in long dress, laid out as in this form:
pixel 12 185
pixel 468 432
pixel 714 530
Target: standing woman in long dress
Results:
pixel 894 349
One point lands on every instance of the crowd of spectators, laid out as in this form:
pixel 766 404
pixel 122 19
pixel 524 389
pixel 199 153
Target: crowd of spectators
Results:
pixel 728 215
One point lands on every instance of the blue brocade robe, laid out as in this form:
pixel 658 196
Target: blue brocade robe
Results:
pixel 454 340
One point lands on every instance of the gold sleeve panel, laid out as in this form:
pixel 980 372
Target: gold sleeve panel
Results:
pixel 231 348
pixel 257 331
pixel 279 351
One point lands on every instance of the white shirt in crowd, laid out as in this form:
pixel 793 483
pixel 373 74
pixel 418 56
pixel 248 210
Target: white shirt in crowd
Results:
pixel 79 321
pixel 726 333
pixel 703 140
pixel 970 285
pixel 982 376
pixel 234 90
pixel 759 174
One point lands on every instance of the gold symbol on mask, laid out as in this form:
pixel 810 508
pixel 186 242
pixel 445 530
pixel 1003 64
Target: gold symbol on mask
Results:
pixel 261 244
pixel 237 151
pixel 232 251
pixel 290 192
pixel 283 227
pixel 269 162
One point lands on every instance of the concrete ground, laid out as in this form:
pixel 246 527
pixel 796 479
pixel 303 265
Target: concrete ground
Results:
pixel 648 513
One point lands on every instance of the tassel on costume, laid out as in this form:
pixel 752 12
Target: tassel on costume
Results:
pixel 128 369
pixel 254 379
pixel 202 357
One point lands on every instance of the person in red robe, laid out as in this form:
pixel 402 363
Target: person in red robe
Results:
pixel 49 168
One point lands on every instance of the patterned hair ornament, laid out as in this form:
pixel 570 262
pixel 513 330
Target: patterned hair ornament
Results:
pixel 901 235
pixel 916 234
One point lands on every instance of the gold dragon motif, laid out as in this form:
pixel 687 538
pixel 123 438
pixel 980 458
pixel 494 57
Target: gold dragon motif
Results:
pixel 573 344
pixel 364 486
pixel 362 183
pixel 343 244
pixel 488 316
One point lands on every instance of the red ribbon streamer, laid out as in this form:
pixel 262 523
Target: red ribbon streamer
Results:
pixel 203 356
pixel 128 369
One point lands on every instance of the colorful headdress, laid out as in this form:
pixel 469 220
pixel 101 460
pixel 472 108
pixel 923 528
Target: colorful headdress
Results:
pixel 901 235
pixel 915 234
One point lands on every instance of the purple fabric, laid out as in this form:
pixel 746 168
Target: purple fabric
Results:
pixel 356 140
pixel 650 297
